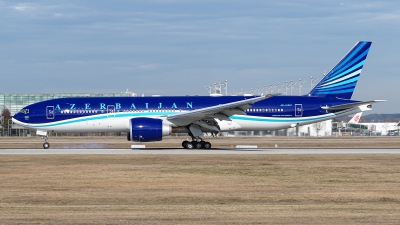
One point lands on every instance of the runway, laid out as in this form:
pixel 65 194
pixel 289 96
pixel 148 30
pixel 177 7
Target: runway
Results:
pixel 221 151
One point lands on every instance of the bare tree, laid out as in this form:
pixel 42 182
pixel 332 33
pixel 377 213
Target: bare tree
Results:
pixel 319 126
pixel 6 120
pixel 5 113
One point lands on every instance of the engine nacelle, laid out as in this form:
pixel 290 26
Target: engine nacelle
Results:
pixel 147 129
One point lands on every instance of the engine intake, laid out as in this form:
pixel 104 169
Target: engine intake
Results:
pixel 147 129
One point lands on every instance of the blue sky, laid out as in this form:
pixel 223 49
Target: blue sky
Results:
pixel 177 47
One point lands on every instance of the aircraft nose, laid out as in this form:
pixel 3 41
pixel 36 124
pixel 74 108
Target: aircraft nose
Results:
pixel 17 118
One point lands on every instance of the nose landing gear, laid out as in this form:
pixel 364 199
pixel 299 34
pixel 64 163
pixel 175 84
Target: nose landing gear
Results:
pixel 46 144
pixel 43 133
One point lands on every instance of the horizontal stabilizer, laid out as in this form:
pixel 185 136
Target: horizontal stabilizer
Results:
pixel 351 105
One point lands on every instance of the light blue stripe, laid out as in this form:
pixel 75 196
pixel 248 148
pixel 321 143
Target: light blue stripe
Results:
pixel 159 114
pixel 335 71
pixel 352 69
pixel 363 55
pixel 279 120
pixel 350 56
pixel 352 85
pixel 342 83
pixel 100 117
pixel 335 92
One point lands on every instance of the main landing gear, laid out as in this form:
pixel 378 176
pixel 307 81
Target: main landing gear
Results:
pixel 196 144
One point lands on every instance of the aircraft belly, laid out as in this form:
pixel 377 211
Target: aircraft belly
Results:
pixel 249 123
pixel 261 125
pixel 101 125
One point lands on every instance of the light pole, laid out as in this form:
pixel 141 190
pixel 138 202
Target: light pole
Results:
pixel 226 87
pixel 312 81
pixel 300 85
pixel 291 87
pixel 286 93
pixel 279 87
pixel 9 125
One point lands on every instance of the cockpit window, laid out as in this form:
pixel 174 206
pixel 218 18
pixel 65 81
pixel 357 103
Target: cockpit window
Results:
pixel 24 111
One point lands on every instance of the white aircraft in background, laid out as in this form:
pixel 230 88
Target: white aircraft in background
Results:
pixel 356 118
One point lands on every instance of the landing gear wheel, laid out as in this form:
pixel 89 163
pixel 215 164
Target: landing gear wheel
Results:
pixel 207 145
pixel 46 145
pixel 184 144
pixel 198 145
pixel 189 145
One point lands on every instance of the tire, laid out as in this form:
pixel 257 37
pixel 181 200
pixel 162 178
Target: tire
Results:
pixel 198 145
pixel 46 145
pixel 202 144
pixel 189 145
pixel 207 145
pixel 184 144
pixel 194 143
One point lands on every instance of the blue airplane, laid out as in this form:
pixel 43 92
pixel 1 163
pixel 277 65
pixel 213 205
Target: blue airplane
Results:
pixel 147 119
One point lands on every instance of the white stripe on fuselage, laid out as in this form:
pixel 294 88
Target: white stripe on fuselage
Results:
pixel 119 122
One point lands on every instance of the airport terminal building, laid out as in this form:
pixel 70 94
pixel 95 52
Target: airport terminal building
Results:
pixel 14 102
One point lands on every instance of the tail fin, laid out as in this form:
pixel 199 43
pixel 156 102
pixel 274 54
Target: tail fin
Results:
pixel 356 118
pixel 341 81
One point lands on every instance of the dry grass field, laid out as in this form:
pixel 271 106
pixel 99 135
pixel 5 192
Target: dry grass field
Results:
pixel 199 189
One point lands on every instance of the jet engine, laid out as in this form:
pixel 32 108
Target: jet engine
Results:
pixel 147 129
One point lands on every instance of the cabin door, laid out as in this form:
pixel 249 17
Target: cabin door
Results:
pixel 298 109
pixel 110 109
pixel 50 112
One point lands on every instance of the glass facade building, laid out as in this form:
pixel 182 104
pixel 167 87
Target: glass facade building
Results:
pixel 16 101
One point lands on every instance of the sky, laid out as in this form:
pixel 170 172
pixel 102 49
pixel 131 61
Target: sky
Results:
pixel 179 47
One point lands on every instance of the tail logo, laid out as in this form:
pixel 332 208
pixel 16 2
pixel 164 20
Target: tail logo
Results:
pixel 341 81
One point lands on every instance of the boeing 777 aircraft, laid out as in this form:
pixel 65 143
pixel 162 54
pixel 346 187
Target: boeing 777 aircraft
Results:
pixel 148 119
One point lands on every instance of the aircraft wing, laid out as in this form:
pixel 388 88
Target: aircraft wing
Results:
pixel 222 111
pixel 351 105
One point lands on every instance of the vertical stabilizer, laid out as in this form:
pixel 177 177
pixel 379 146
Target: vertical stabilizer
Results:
pixel 341 81
pixel 356 118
